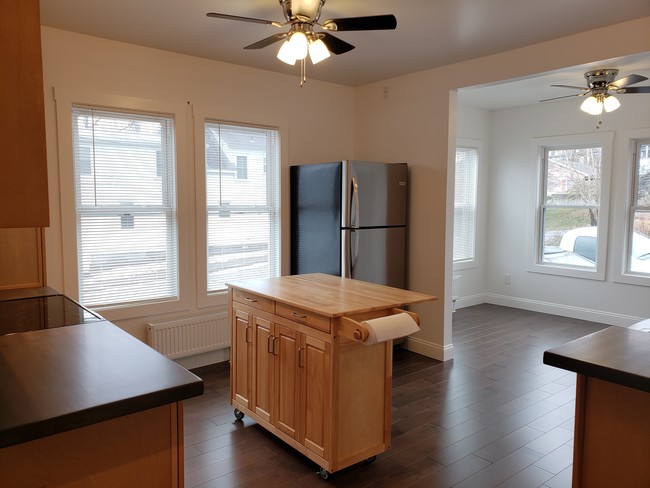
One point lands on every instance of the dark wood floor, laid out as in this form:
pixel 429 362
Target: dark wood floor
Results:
pixel 495 416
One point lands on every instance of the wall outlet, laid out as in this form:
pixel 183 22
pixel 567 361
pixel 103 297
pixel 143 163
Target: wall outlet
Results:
pixel 507 279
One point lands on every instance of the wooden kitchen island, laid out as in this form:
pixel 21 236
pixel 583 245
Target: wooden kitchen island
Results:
pixel 299 366
pixel 612 420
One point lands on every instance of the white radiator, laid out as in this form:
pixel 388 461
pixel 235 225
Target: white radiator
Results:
pixel 186 337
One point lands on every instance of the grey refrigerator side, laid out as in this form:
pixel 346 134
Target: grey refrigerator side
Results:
pixel 373 194
pixel 377 255
pixel 315 194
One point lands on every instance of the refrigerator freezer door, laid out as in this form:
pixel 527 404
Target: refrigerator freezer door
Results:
pixel 316 218
pixel 374 194
pixel 376 255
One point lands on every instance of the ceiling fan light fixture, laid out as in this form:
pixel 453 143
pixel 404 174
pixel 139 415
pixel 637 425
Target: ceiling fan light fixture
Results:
pixel 592 105
pixel 299 45
pixel 285 54
pixel 611 103
pixel 318 51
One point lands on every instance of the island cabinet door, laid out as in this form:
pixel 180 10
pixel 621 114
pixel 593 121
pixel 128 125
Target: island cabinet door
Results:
pixel 316 394
pixel 263 368
pixel 285 349
pixel 242 360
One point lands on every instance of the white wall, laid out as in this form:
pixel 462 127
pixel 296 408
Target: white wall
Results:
pixel 511 196
pixel 416 124
pixel 319 122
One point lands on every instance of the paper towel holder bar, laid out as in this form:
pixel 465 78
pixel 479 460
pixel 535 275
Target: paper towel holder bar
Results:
pixel 356 331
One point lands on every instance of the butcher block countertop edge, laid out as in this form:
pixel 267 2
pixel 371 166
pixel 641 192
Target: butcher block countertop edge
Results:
pixel 331 296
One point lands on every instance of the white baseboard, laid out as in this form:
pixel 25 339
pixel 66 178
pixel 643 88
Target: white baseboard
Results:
pixel 429 349
pixel 598 316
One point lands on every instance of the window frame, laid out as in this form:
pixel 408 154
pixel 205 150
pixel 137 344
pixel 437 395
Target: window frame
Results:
pixel 478 146
pixel 201 115
pixel 626 153
pixel 65 101
pixel 538 189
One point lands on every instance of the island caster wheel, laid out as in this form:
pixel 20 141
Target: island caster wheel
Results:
pixel 323 473
pixel 238 414
pixel 371 459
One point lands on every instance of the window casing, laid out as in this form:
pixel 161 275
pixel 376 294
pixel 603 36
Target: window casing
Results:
pixel 242 168
pixel 125 206
pixel 570 235
pixel 637 257
pixel 465 205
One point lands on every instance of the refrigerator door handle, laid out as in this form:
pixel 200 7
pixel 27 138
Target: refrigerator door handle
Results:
pixel 354 211
pixel 354 252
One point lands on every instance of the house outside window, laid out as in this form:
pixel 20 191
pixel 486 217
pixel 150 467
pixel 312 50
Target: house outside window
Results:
pixel 465 205
pixel 125 206
pixel 571 222
pixel 242 202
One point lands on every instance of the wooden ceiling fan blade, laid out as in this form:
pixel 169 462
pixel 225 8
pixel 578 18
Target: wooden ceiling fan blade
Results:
pixel 334 44
pixel 215 15
pixel 267 41
pixel 372 22
pixel 628 80
pixel 638 89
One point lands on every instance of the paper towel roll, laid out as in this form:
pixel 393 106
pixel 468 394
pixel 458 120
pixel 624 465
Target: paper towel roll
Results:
pixel 390 327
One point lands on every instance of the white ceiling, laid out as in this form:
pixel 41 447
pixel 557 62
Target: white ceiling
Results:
pixel 429 33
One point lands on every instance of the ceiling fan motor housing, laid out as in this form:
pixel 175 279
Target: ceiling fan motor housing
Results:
pixel 600 79
pixel 302 10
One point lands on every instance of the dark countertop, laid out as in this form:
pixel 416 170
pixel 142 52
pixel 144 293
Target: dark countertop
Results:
pixel 59 379
pixel 617 354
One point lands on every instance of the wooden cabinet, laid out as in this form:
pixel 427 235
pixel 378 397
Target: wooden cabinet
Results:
pixel 23 181
pixel 296 373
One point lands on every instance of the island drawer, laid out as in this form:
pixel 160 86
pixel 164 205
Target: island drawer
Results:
pixel 253 300
pixel 303 316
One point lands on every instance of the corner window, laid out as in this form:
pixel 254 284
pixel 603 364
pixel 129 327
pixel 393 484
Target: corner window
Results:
pixel 571 215
pixel 125 205
pixel 465 205
pixel 638 238
pixel 242 169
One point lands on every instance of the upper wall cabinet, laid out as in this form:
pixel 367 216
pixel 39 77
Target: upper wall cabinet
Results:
pixel 23 162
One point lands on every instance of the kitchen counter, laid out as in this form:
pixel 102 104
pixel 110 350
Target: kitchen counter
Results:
pixel 612 425
pixel 92 404
pixel 65 378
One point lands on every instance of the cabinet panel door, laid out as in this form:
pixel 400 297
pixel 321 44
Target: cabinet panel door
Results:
pixel 286 380
pixel 316 394
pixel 242 358
pixel 263 368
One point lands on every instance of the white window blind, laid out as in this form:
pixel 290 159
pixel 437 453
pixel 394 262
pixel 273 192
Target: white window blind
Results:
pixel 125 201
pixel 242 194
pixel 465 197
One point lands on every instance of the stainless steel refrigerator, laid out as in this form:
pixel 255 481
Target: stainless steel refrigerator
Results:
pixel 348 218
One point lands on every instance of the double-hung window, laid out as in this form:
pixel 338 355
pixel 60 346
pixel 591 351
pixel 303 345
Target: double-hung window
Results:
pixel 242 169
pixel 465 205
pixel 638 239
pixel 125 204
pixel 571 231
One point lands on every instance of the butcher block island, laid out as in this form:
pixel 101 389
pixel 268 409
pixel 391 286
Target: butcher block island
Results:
pixel 303 368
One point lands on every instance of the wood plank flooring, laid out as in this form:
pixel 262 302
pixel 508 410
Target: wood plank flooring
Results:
pixel 495 416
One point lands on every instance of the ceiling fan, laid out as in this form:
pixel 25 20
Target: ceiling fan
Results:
pixel 602 85
pixel 301 39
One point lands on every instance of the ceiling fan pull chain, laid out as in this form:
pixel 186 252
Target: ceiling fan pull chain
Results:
pixel 303 72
